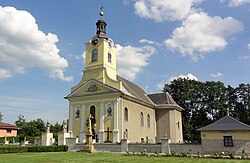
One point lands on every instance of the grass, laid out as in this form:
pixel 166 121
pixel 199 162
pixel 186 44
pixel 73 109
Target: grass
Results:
pixel 72 157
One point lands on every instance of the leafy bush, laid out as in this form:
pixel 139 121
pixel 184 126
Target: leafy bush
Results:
pixel 22 149
pixel 231 155
pixel 178 154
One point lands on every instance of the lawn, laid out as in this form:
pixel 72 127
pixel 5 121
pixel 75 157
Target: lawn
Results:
pixel 100 157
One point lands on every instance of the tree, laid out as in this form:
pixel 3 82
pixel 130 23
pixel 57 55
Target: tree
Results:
pixel 242 108
pixel 34 128
pixel 189 95
pixel 203 103
pixel 20 121
pixel 1 117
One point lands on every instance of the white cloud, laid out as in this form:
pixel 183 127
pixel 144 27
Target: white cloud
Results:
pixel 131 60
pixel 217 75
pixel 145 41
pixel 160 10
pixel 160 85
pixel 200 34
pixel 235 3
pixel 23 45
pixel 248 46
pixel 189 76
pixel 246 57
pixel 4 73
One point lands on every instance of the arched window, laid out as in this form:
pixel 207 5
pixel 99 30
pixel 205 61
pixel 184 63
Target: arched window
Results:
pixel 126 114
pixel 141 119
pixel 109 57
pixel 92 112
pixel 94 55
pixel 148 121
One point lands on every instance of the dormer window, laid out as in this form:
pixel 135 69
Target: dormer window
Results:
pixel 109 57
pixel 94 55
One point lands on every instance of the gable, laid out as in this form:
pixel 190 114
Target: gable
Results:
pixel 92 87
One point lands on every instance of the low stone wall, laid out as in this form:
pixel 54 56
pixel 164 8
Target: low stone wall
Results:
pixel 108 147
pixel 215 146
pixel 124 146
pixel 136 147
pixel 187 148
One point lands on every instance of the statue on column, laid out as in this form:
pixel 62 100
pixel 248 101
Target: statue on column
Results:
pixel 48 127
pixel 64 126
pixel 125 134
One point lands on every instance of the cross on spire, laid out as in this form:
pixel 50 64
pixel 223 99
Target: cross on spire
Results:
pixel 101 12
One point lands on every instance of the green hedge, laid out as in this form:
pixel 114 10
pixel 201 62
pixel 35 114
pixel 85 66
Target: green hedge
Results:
pixel 22 149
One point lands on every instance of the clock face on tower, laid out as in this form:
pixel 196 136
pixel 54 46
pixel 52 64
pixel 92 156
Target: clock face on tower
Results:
pixel 94 41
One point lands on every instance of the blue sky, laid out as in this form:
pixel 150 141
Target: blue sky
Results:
pixel 42 47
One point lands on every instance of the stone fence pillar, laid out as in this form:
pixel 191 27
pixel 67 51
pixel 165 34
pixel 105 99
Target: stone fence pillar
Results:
pixel 124 145
pixel 165 146
pixel 71 142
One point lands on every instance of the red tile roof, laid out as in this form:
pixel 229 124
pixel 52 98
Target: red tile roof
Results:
pixel 8 126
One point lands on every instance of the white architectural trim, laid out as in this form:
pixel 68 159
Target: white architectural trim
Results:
pixel 82 133
pixel 101 130
pixel 122 117
pixel 89 81
pixel 91 101
pixel 154 121
pixel 116 130
pixel 71 109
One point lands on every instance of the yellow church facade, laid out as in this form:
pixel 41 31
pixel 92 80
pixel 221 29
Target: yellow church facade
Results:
pixel 118 108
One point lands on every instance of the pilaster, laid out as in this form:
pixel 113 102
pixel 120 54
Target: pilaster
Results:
pixel 116 130
pixel 82 133
pixel 101 130
pixel 71 112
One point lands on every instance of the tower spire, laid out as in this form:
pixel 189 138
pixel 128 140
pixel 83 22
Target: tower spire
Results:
pixel 101 25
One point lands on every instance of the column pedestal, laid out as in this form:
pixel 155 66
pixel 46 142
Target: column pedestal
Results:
pixel 62 138
pixel 115 136
pixel 124 145
pixel 82 137
pixel 165 146
pixel 47 139
pixel 101 136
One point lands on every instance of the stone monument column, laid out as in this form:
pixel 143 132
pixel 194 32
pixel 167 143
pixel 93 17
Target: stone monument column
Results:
pixel 88 145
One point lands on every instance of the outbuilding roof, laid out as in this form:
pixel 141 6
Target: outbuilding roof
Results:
pixel 226 123
pixel 8 126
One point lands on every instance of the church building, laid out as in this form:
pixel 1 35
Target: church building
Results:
pixel 119 108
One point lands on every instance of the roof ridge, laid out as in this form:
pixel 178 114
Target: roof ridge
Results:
pixel 234 120
pixel 238 121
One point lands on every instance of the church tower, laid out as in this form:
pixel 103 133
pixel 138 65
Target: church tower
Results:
pixel 100 55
